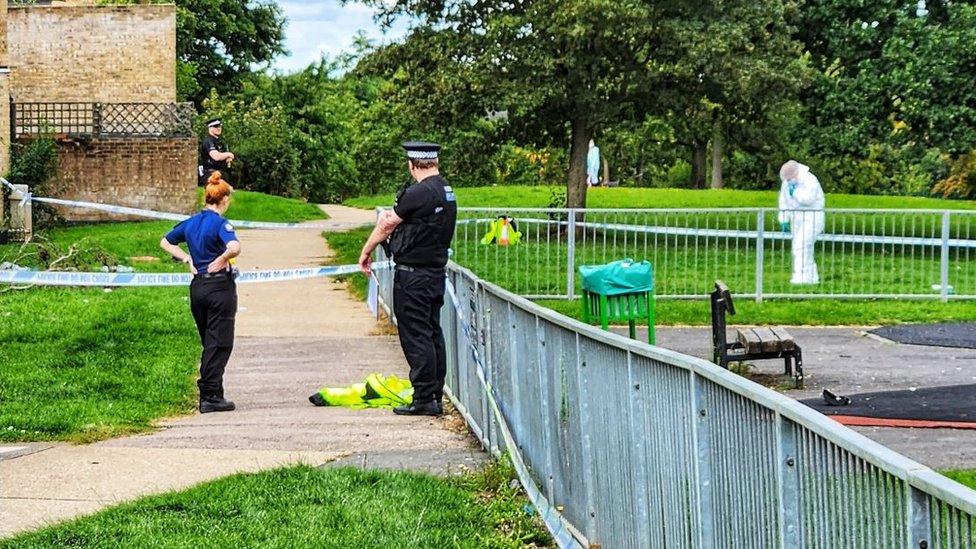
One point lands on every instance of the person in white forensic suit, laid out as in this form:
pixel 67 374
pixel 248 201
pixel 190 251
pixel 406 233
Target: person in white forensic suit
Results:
pixel 801 212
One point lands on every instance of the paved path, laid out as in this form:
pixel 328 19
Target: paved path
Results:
pixel 292 338
pixel 846 360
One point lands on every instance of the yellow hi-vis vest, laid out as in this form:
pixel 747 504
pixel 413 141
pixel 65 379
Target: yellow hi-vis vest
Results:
pixel 502 232
pixel 376 391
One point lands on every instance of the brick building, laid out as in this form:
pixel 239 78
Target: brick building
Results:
pixel 102 78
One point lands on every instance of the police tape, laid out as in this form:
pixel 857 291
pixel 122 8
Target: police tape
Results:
pixel 562 531
pixel 59 278
pixel 153 214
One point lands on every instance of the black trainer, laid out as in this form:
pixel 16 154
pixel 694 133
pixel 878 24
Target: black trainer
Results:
pixel 419 409
pixel 215 404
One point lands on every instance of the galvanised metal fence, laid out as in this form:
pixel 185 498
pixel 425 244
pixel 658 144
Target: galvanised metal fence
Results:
pixel 626 445
pixel 905 254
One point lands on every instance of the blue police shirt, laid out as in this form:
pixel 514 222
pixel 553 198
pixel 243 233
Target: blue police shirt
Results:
pixel 206 235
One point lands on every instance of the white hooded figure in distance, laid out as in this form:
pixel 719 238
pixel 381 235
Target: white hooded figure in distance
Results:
pixel 801 210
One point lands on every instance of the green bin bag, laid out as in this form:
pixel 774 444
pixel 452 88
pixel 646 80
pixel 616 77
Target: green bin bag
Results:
pixel 618 277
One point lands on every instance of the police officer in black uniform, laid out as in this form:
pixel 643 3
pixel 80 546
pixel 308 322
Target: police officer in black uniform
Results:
pixel 214 155
pixel 420 228
pixel 213 292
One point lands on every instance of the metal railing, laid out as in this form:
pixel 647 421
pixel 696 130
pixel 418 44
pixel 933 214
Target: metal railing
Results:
pixel 103 119
pixel 629 445
pixel 904 254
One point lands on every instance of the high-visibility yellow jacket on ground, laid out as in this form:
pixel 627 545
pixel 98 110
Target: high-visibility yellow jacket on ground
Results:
pixel 375 391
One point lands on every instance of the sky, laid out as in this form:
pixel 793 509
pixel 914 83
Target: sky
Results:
pixel 326 26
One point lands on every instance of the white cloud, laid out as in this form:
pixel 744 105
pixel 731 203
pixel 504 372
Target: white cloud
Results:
pixel 317 27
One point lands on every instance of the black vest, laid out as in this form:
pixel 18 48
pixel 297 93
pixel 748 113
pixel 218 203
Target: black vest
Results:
pixel 205 160
pixel 424 241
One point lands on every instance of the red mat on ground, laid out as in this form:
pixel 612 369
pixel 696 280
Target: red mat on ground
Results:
pixel 952 407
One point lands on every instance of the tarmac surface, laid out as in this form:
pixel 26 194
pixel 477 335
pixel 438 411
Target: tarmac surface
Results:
pixel 850 360
pixel 952 334
pixel 292 339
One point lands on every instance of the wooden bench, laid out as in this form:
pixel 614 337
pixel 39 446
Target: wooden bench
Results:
pixel 751 343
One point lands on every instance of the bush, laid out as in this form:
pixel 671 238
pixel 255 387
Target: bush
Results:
pixel 262 141
pixel 961 181
pixel 34 163
pixel 678 175
pixel 515 165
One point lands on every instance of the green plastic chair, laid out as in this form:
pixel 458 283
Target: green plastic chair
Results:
pixel 627 306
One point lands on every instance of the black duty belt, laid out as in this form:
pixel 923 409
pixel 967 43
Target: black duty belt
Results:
pixel 221 274
pixel 410 269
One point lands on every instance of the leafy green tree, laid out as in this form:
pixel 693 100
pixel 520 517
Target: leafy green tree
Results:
pixel 218 42
pixel 321 110
pixel 563 69
pixel 893 91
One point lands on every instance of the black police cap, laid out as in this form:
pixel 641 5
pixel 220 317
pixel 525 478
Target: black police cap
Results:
pixel 421 150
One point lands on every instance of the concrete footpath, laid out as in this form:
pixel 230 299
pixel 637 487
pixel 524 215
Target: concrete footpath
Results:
pixel 292 339
pixel 848 360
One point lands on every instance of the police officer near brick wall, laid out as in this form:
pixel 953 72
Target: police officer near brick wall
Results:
pixel 212 243
pixel 420 228
pixel 214 155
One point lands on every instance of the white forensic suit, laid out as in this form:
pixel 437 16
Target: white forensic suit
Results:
pixel 593 165
pixel 801 205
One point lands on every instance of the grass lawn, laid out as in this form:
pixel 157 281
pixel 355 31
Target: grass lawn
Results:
pixel 518 272
pixel 687 264
pixel 515 196
pixel 85 364
pixel 307 507
pixel 251 206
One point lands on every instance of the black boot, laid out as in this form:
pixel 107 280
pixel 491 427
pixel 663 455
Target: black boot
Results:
pixel 420 409
pixel 215 404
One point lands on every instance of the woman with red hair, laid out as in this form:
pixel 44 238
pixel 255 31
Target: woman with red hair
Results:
pixel 212 243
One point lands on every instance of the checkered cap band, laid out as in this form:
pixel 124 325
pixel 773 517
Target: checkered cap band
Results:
pixel 422 155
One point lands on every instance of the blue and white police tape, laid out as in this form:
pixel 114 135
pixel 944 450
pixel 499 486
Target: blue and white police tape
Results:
pixel 153 214
pixel 58 278
pixel 563 532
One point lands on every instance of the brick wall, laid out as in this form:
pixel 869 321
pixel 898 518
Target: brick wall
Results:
pixel 152 173
pixel 109 54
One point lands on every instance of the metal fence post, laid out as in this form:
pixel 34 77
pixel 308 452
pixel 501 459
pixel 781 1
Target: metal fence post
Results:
pixel 944 261
pixel 571 255
pixel 788 480
pixel 700 428
pixel 760 251
pixel 919 518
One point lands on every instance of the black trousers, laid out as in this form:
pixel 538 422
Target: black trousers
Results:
pixel 213 302
pixel 417 299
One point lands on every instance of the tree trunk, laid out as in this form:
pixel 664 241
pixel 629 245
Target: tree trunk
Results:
pixel 698 154
pixel 718 149
pixel 582 132
pixel 606 172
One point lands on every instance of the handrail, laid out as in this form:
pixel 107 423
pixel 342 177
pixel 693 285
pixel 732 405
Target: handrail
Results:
pixel 823 482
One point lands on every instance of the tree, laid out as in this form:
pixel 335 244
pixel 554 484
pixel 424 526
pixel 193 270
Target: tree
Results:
pixel 890 75
pixel 218 42
pixel 559 68
pixel 321 110
pixel 736 62
pixel 563 69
